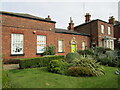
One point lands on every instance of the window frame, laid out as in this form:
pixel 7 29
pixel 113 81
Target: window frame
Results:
pixel 84 45
pixel 109 30
pixel 40 52
pixel 102 29
pixel 12 47
pixel 62 46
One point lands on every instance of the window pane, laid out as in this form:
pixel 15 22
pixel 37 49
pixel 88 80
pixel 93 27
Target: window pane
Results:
pixel 41 43
pixel 109 31
pixel 60 46
pixel 102 28
pixel 83 45
pixel 17 44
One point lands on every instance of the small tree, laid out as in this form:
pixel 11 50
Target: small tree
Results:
pixel 50 50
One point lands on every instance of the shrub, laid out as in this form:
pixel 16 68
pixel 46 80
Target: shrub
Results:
pixel 87 66
pixel 37 62
pixel 99 50
pixel 79 71
pixel 114 62
pixel 86 52
pixel 58 66
pixel 12 61
pixel 108 49
pixel 71 56
pixel 110 58
pixel 50 50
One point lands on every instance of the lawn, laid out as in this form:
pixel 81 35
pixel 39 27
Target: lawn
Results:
pixel 40 78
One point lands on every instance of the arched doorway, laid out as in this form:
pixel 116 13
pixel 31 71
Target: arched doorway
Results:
pixel 73 46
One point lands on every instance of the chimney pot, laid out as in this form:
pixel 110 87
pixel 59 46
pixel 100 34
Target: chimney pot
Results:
pixel 48 18
pixel 87 17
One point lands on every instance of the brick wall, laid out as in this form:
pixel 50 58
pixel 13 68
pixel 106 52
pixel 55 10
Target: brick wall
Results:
pixel 27 23
pixel 117 31
pixel 15 25
pixel 100 35
pixel 117 36
pixel 94 28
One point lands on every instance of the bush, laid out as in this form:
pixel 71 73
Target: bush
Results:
pixel 37 62
pixel 12 61
pixel 108 49
pixel 71 56
pixel 50 50
pixel 79 71
pixel 110 58
pixel 86 52
pixel 58 66
pixel 99 50
pixel 114 62
pixel 87 66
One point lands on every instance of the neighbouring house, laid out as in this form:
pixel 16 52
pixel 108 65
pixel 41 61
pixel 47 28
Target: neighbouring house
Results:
pixel 26 36
pixel 102 34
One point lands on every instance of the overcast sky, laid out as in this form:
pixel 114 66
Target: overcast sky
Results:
pixel 62 11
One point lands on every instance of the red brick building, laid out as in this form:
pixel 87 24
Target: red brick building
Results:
pixel 102 34
pixel 25 36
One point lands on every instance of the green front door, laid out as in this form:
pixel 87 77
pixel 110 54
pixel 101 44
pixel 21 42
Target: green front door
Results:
pixel 73 48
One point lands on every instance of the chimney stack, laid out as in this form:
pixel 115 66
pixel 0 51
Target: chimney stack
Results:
pixel 112 20
pixel 87 17
pixel 71 25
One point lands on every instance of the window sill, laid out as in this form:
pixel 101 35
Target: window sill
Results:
pixel 17 54
pixel 61 52
pixel 39 53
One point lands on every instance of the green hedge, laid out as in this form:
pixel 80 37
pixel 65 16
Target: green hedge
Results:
pixel 38 61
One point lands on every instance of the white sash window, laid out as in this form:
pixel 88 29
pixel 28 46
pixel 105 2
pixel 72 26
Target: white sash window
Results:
pixel 83 45
pixel 41 43
pixel 17 44
pixel 102 28
pixel 60 46
pixel 109 31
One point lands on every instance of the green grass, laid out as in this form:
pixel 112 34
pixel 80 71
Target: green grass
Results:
pixel 40 78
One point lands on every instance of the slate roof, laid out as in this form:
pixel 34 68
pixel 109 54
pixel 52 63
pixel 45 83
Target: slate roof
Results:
pixel 91 22
pixel 117 23
pixel 24 15
pixel 70 32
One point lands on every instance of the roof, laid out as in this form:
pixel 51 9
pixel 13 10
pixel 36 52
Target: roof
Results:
pixel 24 15
pixel 70 32
pixel 117 24
pixel 91 22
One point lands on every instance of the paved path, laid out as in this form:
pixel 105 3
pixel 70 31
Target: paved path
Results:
pixel 10 66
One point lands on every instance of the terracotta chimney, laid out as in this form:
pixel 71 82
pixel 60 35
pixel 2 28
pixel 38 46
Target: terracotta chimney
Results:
pixel 112 20
pixel 48 18
pixel 71 25
pixel 87 17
